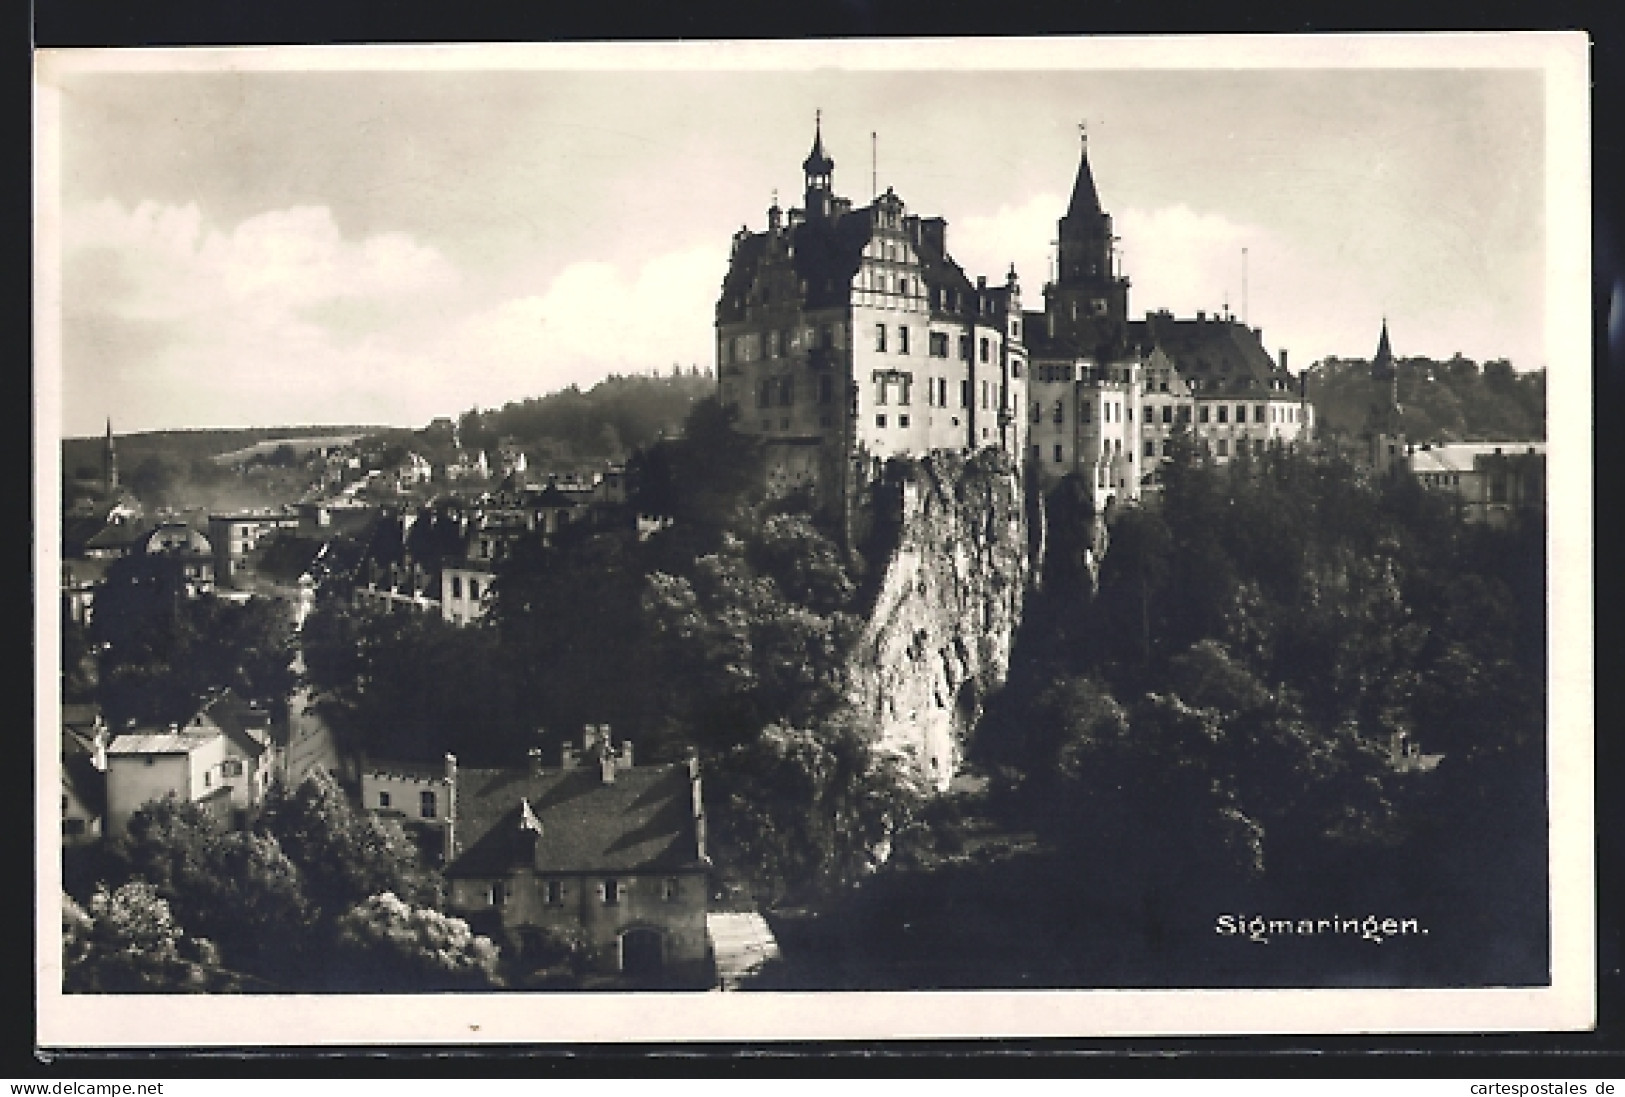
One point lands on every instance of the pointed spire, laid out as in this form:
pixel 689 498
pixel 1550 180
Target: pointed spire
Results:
pixel 1085 201
pixel 1383 364
pixel 818 162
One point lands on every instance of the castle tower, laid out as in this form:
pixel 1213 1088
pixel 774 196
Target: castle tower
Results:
pixel 109 461
pixel 819 170
pixel 1088 301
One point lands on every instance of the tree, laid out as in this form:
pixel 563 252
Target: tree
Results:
pixel 805 811
pixel 128 942
pixel 239 889
pixel 386 944
pixel 343 855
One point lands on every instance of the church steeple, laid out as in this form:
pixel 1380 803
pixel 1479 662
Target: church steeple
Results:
pixel 1382 366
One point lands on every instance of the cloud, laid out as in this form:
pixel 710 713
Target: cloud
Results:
pixel 594 318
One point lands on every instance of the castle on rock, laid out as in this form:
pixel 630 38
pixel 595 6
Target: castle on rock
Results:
pixel 849 335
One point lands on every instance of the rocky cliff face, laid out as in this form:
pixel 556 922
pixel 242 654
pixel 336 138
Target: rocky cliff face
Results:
pixel 950 597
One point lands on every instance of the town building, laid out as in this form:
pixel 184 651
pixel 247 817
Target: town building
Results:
pixel 84 773
pixel 1494 482
pixel 252 759
pixel 143 766
pixel 597 850
pixel 234 537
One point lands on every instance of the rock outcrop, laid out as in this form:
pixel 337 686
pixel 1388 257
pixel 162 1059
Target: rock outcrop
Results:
pixel 949 600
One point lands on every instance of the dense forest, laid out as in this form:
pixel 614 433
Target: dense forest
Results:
pixel 1452 401
pixel 1208 727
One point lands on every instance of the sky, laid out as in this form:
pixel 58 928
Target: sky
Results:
pixel 243 247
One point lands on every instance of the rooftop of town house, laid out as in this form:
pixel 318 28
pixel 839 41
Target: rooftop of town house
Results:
pixel 159 742
pixel 642 821
pixel 1460 456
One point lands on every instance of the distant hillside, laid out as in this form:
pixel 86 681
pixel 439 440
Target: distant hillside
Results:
pixel 1454 401
pixel 83 456
pixel 614 417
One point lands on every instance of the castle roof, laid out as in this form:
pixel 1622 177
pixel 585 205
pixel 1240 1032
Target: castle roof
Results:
pixel 818 161
pixel 1220 357
pixel 643 821
pixel 1085 201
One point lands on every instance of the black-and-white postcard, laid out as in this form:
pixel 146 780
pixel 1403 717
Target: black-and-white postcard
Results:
pixel 863 539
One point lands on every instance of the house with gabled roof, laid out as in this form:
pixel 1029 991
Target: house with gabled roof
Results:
pixel 596 850
pixel 144 765
pixel 251 758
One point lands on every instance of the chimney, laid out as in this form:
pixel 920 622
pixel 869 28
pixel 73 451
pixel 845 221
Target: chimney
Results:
pixel 535 756
pixel 606 765
pixel 696 804
pixel 1201 317
pixel 589 738
pixel 449 848
pixel 1283 360
pixel 568 758
pixel 626 754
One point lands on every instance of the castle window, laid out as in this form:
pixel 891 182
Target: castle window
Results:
pixel 764 393
pixel 1038 412
pixel 669 889
pixel 773 344
pixel 1060 411
pixel 1224 447
pixel 1185 414
pixel 984 395
pixel 1149 414
pixel 1015 329
pixel 767 424
pixel 784 424
pixel 904 384
pixel 1224 413
pixel 456 586
pixel 610 892
pixel 1167 413
pixel 787 391
pixel 1150 448
pixel 826 337
pixel 984 348
pixel 880 390
pixel 902 340
pixel 1241 413
pixel 826 421
pixel 1036 451
pixel 939 344
pixel 902 420
pixel 942 392
pixel 964 394
pixel 1258 413
pixel 1201 414
pixel 474 590
pixel 553 892
pixel 880 337
pixel 1258 446
pixel 1057 453
pixel 880 420
pixel 1129 408
pixel 964 348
